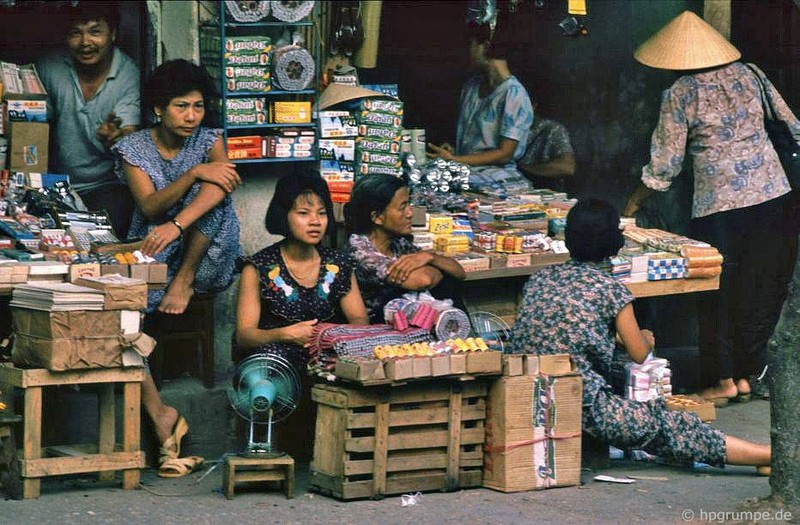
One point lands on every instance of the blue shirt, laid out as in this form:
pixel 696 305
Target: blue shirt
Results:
pixel 78 153
pixel 484 121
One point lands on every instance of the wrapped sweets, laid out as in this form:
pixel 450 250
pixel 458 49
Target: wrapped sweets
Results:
pixel 702 261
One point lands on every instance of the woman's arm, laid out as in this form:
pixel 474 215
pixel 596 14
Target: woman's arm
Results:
pixel 492 157
pixel 561 166
pixel 352 304
pixel 154 204
pixel 248 313
pixel 640 194
pixel 417 271
pixel 637 342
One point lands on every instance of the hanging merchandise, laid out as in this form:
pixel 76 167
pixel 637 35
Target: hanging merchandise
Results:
pixel 292 68
pixel 577 7
pixel 349 33
pixel 292 11
pixel 482 12
pixel 249 11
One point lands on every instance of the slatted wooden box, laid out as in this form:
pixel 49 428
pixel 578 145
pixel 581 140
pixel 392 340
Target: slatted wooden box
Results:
pixel 376 441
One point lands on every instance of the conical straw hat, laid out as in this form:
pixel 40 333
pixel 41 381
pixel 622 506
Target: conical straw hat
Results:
pixel 338 93
pixel 687 42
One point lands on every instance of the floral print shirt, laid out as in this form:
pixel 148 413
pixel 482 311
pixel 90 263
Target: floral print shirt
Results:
pixel 572 309
pixel 483 121
pixel 718 118
pixel 372 268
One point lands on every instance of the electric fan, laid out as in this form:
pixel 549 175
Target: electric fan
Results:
pixel 266 389
pixel 491 328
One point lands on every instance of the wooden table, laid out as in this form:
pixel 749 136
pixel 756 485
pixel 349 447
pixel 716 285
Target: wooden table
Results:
pixel 499 291
pixel 105 457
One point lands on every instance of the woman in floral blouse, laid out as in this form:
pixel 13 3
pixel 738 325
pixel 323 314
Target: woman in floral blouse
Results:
pixel 387 262
pixel 578 308
pixel 741 204
pixel 290 286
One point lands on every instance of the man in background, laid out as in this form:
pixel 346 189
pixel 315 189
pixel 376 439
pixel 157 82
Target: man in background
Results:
pixel 549 158
pixel 94 99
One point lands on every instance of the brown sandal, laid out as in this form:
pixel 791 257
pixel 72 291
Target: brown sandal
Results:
pixel 178 467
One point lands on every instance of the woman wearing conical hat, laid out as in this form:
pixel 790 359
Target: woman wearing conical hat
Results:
pixel 714 115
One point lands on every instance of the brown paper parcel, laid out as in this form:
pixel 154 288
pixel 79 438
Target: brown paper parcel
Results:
pixel 537 444
pixel 77 339
pixel 120 293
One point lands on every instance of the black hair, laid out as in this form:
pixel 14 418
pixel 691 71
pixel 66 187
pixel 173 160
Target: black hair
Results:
pixel 93 10
pixel 371 194
pixel 176 78
pixel 592 232
pixel 289 188
pixel 499 44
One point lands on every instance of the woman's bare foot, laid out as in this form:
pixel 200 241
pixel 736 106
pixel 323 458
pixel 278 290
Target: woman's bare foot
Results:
pixel 721 393
pixel 176 298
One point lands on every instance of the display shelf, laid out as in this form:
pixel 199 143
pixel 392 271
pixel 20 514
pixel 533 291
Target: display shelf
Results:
pixel 213 55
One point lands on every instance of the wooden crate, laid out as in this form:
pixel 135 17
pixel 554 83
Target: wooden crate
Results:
pixel 375 441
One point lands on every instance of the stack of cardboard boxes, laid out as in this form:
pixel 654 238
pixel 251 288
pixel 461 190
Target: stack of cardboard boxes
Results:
pixel 24 127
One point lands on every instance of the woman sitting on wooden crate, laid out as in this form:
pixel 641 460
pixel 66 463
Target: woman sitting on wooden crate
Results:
pixel 180 178
pixel 578 308
pixel 388 264
pixel 288 287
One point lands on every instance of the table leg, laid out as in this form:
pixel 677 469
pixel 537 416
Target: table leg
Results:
pixel 289 481
pixel 107 422
pixel 32 438
pixel 130 430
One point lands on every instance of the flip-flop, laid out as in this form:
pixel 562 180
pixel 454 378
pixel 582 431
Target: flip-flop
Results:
pixel 178 431
pixel 764 471
pixel 720 402
pixel 742 398
pixel 179 467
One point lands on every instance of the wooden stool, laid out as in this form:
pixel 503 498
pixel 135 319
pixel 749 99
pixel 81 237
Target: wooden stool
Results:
pixel 196 324
pixel 237 468
pixel 105 457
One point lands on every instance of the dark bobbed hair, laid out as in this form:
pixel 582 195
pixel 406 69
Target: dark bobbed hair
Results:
pixel 372 193
pixel 592 232
pixel 176 78
pixel 93 10
pixel 289 188
pixel 498 39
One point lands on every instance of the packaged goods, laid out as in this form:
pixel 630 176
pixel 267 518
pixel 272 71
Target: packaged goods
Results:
pixel 392 107
pixel 377 145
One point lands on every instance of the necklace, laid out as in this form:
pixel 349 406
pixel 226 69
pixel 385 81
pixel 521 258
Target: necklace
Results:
pixel 303 278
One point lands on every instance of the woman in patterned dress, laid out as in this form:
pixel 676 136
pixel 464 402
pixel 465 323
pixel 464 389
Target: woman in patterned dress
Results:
pixel 288 287
pixel 578 308
pixel 387 262
pixel 180 178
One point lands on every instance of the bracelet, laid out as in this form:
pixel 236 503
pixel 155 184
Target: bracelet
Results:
pixel 176 223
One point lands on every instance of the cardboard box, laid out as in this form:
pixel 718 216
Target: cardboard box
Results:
pixel 81 270
pixel 28 146
pixel 121 293
pixel 157 273
pixel 74 340
pixel 512 364
pixel 140 271
pixel 458 363
pixel 440 365
pixel 533 434
pixel 115 269
pixel 488 362
pixel 360 369
pixel 421 366
pixel 398 369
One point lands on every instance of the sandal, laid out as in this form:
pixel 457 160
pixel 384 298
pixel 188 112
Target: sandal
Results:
pixel 175 467
pixel 178 431
pixel 764 471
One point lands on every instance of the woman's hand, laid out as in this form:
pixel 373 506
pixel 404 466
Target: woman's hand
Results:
pixel 445 151
pixel 159 238
pixel 400 269
pixel 631 208
pixel 299 333
pixel 223 174
pixel 649 338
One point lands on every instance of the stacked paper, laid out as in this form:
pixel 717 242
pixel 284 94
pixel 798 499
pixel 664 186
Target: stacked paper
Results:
pixel 56 297
pixel 649 380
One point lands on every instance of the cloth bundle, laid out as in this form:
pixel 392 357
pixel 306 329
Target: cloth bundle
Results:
pixel 329 340
pixel 247 11
pixel 292 68
pixel 430 314
pixel 291 11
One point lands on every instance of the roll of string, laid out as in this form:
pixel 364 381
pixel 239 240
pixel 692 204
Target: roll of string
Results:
pixel 451 324
pixel 292 68
pixel 247 11
pixel 291 11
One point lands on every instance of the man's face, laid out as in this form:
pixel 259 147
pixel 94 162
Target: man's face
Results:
pixel 91 43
